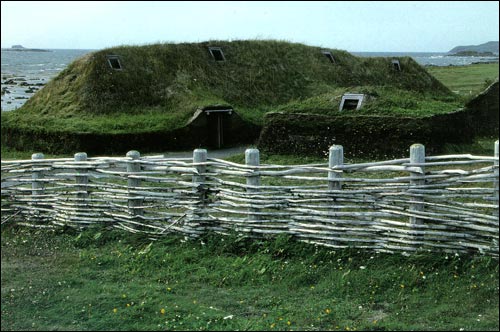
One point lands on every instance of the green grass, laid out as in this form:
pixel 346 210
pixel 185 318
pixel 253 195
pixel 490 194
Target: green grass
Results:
pixel 162 85
pixel 466 81
pixel 108 280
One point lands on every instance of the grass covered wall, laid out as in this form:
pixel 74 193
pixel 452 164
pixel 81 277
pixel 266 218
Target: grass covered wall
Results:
pixel 158 88
pixel 363 135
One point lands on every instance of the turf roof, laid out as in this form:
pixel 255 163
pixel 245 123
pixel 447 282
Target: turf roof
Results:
pixel 160 86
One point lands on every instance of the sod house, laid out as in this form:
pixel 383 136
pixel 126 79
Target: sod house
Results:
pixel 287 97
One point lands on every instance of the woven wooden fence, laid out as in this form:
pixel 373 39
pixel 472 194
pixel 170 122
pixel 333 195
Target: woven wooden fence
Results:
pixel 433 203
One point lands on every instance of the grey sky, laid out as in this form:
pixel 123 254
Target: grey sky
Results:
pixel 371 26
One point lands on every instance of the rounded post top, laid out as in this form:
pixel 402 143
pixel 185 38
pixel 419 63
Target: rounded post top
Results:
pixel 134 154
pixel 199 155
pixel 417 153
pixel 417 146
pixel 80 156
pixel 252 157
pixel 336 155
pixel 36 156
pixel 200 151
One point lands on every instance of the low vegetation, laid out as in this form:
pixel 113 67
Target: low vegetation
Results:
pixel 107 280
pixel 466 81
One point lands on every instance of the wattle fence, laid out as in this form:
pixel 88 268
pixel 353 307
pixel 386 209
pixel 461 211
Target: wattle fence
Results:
pixel 431 203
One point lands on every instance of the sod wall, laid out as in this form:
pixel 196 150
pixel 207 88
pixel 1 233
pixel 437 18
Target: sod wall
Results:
pixel 195 134
pixel 362 136
pixel 484 110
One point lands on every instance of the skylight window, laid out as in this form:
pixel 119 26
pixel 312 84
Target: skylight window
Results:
pixel 217 54
pixel 114 62
pixel 396 65
pixel 329 55
pixel 351 101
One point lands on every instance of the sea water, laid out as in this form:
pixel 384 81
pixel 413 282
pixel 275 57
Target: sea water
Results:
pixel 25 72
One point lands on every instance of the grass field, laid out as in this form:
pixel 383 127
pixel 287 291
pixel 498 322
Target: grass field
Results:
pixel 466 81
pixel 105 280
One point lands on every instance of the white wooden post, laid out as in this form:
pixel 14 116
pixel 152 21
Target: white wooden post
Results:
pixel 134 204
pixel 81 179
pixel 199 188
pixel 36 186
pixel 199 156
pixel 252 158
pixel 417 156
pixel 37 175
pixel 495 172
pixel 336 158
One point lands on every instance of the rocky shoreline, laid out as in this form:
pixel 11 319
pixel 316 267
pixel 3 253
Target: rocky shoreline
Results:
pixel 16 90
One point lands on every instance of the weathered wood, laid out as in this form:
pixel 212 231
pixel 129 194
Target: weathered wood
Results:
pixel 417 156
pixel 495 172
pixel 371 210
pixel 81 178
pixel 336 158
pixel 252 159
pixel 134 202
pixel 37 175
pixel 201 191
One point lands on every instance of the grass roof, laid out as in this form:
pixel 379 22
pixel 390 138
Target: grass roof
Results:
pixel 160 86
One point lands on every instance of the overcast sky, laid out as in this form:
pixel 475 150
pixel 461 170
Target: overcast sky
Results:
pixel 355 26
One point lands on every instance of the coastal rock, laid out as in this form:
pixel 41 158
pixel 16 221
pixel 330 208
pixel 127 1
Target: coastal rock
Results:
pixel 491 46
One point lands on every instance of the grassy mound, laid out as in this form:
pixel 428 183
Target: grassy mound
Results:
pixel 161 86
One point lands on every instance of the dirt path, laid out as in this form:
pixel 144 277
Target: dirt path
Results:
pixel 220 153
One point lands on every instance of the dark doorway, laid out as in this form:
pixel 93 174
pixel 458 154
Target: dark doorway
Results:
pixel 219 122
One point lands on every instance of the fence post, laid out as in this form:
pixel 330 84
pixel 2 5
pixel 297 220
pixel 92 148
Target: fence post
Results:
pixel 495 173
pixel 199 188
pixel 199 156
pixel 36 186
pixel 336 158
pixel 134 204
pixel 81 179
pixel 37 175
pixel 252 158
pixel 417 156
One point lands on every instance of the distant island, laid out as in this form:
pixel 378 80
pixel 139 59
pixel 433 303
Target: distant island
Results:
pixel 21 48
pixel 473 53
pixel 486 49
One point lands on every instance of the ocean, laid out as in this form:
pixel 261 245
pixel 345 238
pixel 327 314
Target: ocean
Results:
pixel 25 72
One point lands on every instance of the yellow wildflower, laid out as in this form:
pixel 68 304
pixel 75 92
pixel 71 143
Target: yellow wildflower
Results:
pixel 327 310
pixel 115 310
pixel 162 311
